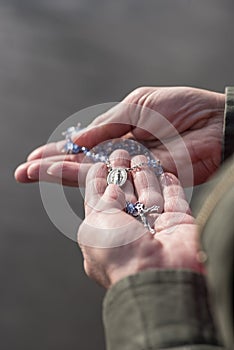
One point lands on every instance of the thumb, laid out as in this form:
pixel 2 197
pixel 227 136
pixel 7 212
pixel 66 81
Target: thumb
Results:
pixel 97 134
pixel 114 123
pixel 113 200
pixel 107 225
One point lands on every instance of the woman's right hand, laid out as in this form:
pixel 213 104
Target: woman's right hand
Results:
pixel 196 114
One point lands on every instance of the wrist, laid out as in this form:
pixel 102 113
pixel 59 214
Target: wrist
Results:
pixel 155 255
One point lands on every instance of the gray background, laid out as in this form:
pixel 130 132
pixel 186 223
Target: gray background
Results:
pixel 57 57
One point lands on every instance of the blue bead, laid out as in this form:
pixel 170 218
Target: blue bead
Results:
pixel 72 148
pixel 103 158
pixel 130 208
pixel 158 171
pixel 86 151
pixel 75 149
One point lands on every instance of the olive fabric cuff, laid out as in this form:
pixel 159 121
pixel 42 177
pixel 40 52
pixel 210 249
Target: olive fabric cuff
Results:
pixel 158 309
pixel 228 125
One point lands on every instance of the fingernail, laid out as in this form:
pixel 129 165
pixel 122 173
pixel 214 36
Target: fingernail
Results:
pixel 33 155
pixel 33 171
pixel 165 179
pixel 55 169
pixel 20 173
pixel 20 167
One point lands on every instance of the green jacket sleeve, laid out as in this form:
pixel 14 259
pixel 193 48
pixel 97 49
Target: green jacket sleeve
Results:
pixel 214 206
pixel 228 126
pixel 159 309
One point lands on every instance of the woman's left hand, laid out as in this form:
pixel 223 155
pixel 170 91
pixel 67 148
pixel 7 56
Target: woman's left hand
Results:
pixel 114 244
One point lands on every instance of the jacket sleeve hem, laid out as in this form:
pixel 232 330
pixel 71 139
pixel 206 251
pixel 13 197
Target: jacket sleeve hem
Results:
pixel 158 309
pixel 228 125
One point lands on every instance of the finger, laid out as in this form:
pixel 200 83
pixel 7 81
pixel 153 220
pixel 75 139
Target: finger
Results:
pixel 38 172
pixel 48 150
pixel 69 172
pixel 107 225
pixel 51 149
pixel 21 174
pixel 97 134
pixel 173 193
pixel 24 175
pixel 121 159
pixel 116 122
pixel 146 184
pixel 171 221
pixel 95 186
pixel 97 180
pixel 98 196
pixel 54 151
pixel 148 189
pixel 112 201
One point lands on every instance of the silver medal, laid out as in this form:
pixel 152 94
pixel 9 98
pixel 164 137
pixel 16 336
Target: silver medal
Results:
pixel 117 176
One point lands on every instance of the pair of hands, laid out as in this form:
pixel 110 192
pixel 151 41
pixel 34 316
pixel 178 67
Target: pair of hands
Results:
pixel 197 115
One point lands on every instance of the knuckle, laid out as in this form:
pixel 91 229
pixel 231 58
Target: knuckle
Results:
pixel 138 159
pixel 176 204
pixel 139 91
pixel 119 155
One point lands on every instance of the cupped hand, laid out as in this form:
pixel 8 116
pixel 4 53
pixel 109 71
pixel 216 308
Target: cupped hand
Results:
pixel 167 120
pixel 115 244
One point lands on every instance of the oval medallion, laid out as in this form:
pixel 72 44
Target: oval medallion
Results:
pixel 117 176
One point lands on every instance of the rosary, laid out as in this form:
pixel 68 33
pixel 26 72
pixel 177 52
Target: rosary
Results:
pixel 118 176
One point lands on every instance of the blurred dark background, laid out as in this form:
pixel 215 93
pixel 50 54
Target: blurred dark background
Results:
pixel 57 57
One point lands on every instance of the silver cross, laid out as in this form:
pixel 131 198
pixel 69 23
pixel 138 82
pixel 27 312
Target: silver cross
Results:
pixel 142 211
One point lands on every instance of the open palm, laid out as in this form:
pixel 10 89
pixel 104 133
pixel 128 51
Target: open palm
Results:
pixel 180 125
pixel 115 245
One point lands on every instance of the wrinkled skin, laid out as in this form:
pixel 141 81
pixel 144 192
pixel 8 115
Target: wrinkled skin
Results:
pixel 174 246
pixel 196 114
